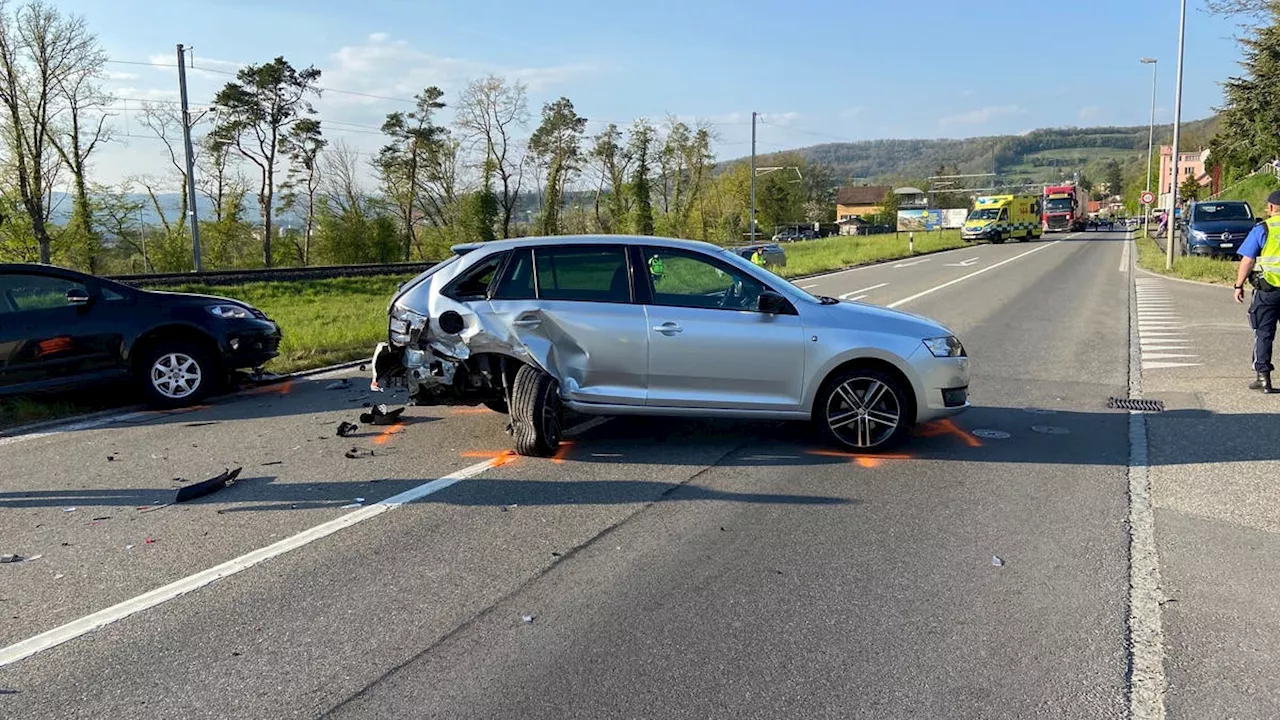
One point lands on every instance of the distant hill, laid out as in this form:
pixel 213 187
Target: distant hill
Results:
pixel 1037 156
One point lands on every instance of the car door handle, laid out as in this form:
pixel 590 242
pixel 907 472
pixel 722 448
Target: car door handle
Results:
pixel 527 322
pixel 668 328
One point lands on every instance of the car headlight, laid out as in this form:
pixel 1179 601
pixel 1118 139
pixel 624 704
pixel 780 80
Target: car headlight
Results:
pixel 1197 235
pixel 404 323
pixel 229 312
pixel 949 346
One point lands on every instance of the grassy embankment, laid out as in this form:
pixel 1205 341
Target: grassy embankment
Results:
pixel 1151 256
pixel 341 319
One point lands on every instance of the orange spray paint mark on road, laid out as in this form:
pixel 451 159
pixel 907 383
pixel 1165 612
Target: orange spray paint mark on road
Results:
pixel 499 458
pixel 385 436
pixel 470 411
pixel 562 452
pixel 938 428
pixel 866 461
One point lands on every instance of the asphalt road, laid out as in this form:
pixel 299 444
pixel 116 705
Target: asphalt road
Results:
pixel 655 569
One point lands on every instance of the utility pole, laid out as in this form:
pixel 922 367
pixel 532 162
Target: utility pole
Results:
pixel 1177 136
pixel 191 164
pixel 1151 137
pixel 753 177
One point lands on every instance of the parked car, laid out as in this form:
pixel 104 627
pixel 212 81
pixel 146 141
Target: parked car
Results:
pixel 64 330
pixel 1216 228
pixel 773 253
pixel 616 325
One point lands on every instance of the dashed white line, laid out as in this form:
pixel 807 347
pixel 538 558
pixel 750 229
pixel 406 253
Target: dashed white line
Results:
pixel 975 273
pixel 102 618
pixel 861 293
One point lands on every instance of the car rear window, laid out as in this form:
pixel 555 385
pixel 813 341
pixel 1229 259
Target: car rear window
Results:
pixel 1223 211
pixel 589 274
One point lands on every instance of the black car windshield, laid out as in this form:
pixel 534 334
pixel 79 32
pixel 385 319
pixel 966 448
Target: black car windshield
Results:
pixel 1058 205
pixel 985 214
pixel 1210 212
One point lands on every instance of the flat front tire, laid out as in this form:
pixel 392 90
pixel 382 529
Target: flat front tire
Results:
pixel 175 374
pixel 865 410
pixel 536 412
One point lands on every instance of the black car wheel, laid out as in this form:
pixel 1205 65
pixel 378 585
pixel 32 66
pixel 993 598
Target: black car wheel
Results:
pixel 535 412
pixel 175 374
pixel 864 409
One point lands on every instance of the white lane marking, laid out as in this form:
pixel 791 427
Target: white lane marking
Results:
pixel 964 263
pixel 74 426
pixel 810 285
pixel 102 618
pixel 855 298
pixel 1124 257
pixel 1165 334
pixel 1159 365
pixel 912 262
pixel 1163 356
pixel 848 295
pixel 976 273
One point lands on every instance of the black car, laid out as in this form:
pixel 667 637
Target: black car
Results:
pixel 63 330
pixel 1216 228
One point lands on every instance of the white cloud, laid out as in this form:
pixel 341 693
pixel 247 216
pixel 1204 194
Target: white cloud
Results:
pixel 396 68
pixel 1090 112
pixel 121 76
pixel 981 116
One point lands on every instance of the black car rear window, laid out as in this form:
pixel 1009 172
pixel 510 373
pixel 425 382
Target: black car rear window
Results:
pixel 1211 212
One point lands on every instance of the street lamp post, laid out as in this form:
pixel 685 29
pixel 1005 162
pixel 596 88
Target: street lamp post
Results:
pixel 1151 136
pixel 1177 136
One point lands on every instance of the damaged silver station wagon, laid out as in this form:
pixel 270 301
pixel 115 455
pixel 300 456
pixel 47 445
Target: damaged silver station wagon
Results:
pixel 616 325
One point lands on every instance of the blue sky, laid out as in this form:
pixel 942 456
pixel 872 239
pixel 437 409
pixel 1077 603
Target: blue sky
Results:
pixel 820 70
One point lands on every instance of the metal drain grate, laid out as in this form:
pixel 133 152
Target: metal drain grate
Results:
pixel 1139 405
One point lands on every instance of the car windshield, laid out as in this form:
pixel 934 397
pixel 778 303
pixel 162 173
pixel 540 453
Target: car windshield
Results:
pixel 1058 205
pixel 985 214
pixel 1210 212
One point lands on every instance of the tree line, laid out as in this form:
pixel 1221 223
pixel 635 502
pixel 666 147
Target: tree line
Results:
pixel 497 170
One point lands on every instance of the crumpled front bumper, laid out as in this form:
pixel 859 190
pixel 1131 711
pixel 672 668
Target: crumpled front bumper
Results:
pixel 410 368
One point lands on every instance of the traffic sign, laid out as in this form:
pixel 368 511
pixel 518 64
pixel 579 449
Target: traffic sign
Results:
pixel 1148 197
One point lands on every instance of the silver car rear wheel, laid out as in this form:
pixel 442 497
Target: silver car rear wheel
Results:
pixel 865 410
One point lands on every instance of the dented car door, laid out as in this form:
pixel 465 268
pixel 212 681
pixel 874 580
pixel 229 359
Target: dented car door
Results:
pixel 573 311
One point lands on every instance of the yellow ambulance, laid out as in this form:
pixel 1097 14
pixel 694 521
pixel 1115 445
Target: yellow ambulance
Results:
pixel 1003 217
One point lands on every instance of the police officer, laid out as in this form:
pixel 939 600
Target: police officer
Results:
pixel 656 268
pixel 1260 266
pixel 757 257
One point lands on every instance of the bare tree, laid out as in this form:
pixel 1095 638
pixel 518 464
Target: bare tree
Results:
pixel 340 186
pixel 489 112
pixel 1256 9
pixel 165 122
pixel 42 53
pixel 218 176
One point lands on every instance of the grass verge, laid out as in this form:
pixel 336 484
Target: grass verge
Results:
pixel 836 253
pixel 1152 257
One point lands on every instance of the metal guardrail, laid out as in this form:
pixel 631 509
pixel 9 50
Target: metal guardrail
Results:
pixel 239 277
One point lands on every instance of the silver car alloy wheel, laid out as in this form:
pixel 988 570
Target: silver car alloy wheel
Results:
pixel 175 375
pixel 863 412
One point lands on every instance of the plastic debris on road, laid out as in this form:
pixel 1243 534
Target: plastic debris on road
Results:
pixel 346 429
pixel 996 561
pixel 358 453
pixel 16 558
pixel 213 484
pixel 70 509
pixel 527 618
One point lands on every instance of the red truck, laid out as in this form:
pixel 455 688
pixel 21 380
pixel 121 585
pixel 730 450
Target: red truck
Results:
pixel 1066 208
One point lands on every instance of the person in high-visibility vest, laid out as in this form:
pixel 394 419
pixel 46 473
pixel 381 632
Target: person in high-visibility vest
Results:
pixel 757 257
pixel 1260 265
pixel 656 268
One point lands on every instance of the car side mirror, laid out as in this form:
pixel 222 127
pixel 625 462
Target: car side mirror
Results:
pixel 76 296
pixel 771 303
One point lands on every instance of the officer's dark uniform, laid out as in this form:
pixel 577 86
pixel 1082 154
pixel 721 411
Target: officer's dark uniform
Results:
pixel 1263 244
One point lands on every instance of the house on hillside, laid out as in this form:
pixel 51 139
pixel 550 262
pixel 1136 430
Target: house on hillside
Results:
pixel 910 198
pixel 860 201
pixel 1190 164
